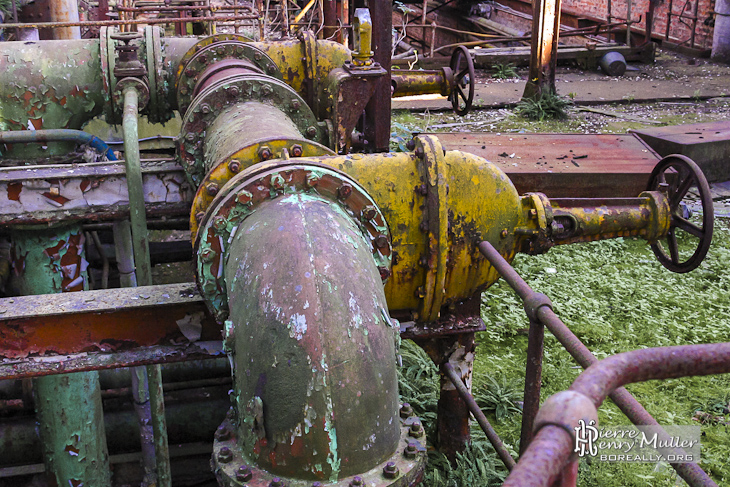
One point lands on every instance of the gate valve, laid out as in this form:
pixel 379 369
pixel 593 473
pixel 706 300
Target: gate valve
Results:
pixel 128 63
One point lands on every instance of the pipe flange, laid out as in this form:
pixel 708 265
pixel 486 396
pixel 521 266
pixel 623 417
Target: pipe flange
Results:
pixel 191 74
pixel 112 112
pixel 404 468
pixel 238 89
pixel 159 107
pixel 266 181
pixel 139 84
pixel 258 151
pixel 205 41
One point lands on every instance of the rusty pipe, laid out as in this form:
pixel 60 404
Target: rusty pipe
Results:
pixel 420 82
pixel 541 310
pixel 551 449
pixel 492 436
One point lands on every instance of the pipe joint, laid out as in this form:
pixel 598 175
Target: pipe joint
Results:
pixel 569 410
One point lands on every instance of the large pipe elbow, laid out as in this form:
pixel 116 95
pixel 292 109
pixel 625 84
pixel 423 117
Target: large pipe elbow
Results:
pixel 307 329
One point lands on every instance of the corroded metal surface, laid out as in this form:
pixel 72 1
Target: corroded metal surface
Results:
pixel 94 191
pixel 419 82
pixel 104 320
pixel 564 165
pixel 538 308
pixel 319 402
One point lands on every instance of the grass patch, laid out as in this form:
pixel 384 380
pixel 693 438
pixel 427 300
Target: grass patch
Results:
pixel 545 106
pixel 615 297
pixel 504 71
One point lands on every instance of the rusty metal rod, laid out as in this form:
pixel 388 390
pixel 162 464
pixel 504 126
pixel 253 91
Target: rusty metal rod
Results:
pixel 690 472
pixel 533 381
pixel 492 435
pixel 111 23
pixel 182 8
pixel 552 447
pixel 598 380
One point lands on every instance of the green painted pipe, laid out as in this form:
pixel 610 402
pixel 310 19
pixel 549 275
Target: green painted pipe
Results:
pixel 311 342
pixel 68 406
pixel 143 270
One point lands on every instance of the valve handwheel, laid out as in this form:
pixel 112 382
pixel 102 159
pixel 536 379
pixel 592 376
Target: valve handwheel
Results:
pixel 463 68
pixel 674 176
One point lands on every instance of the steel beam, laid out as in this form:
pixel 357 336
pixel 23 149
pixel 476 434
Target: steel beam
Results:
pixel 543 57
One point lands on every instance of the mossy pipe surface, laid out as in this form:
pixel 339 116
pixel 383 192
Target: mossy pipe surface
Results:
pixel 311 342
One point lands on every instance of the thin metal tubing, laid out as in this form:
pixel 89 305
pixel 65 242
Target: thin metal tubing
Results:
pixel 690 472
pixel 492 435
pixel 182 8
pixel 143 268
pixel 533 381
pixel 57 135
pixel 110 23
pixel 552 447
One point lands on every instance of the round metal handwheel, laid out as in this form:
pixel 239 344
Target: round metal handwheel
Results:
pixel 674 176
pixel 463 68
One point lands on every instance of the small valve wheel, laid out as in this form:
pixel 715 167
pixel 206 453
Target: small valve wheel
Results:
pixel 463 69
pixel 675 175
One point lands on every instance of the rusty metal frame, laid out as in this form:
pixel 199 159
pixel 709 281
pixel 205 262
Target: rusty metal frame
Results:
pixel 539 309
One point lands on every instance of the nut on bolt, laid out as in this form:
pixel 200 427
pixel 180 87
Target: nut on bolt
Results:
pixel 276 482
pixel 222 433
pixel 344 191
pixel 411 451
pixel 381 241
pixel 311 131
pixel 244 473
pixel 312 180
pixel 296 150
pixel 369 212
pixel 296 104
pixel 205 108
pixel 225 455
pixel 406 410
pixel 419 152
pixel 208 255
pixel 356 481
pixel 219 223
pixel 243 197
pixel 199 216
pixel 265 153
pixel 416 430
pixel 212 189
pixel 390 471
pixel 234 166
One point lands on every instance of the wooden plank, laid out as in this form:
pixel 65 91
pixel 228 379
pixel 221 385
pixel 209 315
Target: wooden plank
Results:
pixel 564 165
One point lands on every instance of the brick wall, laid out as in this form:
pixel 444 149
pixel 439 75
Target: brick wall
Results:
pixel 678 31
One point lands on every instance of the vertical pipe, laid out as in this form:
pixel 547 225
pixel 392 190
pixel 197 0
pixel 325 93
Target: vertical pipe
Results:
pixel 137 216
pixel 141 397
pixel 669 19
pixel 628 23
pixel 533 381
pixel 544 48
pixel 377 111
pixel 68 406
pixel 65 11
pixel 721 34
pixel 141 250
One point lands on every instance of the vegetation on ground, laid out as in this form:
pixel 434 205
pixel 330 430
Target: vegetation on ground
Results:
pixel 615 297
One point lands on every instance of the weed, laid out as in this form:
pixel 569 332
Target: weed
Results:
pixel 505 71
pixel 545 106
pixel 501 397
pixel 629 98
pixel 697 95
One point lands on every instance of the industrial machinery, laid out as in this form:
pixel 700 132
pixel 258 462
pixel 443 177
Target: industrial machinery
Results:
pixel 311 261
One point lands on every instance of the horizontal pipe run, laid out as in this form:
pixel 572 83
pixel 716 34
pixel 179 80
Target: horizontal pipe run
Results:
pixel 492 435
pixel 598 380
pixel 690 472
pixel 57 135
pixel 113 23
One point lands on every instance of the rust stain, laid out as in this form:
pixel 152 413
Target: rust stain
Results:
pixel 56 198
pixel 14 190
pixel 84 186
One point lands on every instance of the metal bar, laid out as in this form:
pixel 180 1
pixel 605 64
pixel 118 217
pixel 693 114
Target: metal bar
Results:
pixel 110 23
pixel 103 320
pixel 159 425
pixel 141 399
pixel 138 218
pixel 621 397
pixel 492 435
pixel 183 8
pixel 83 362
pixel 533 381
